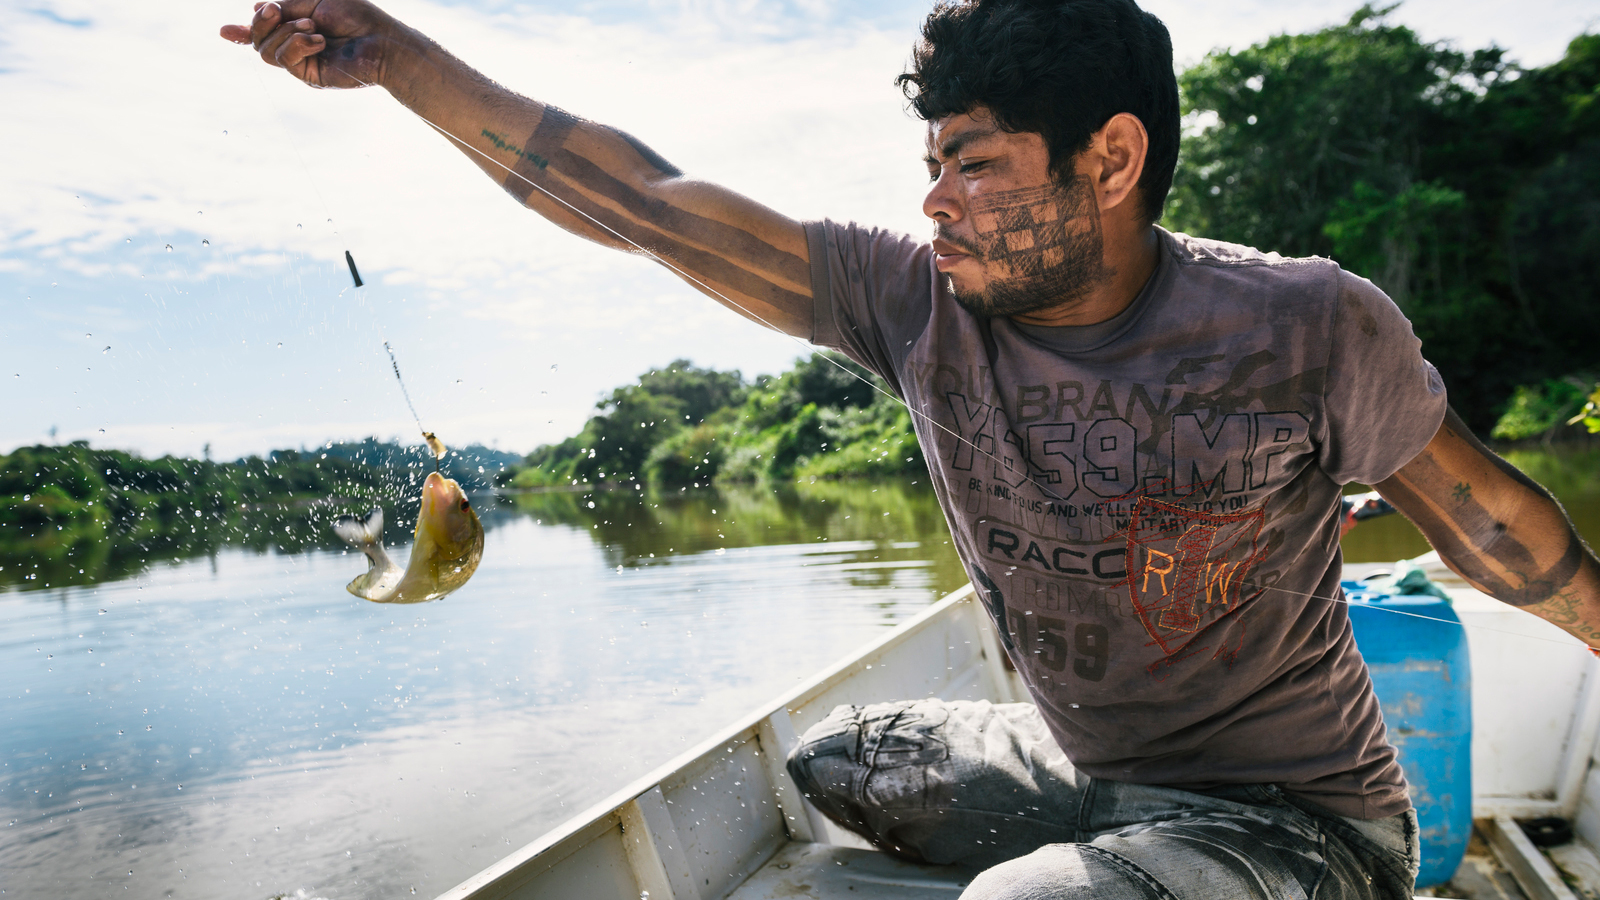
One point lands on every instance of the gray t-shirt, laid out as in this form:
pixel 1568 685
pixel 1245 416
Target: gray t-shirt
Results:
pixel 1148 505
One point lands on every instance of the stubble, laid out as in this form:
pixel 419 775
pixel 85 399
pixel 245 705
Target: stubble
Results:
pixel 1042 247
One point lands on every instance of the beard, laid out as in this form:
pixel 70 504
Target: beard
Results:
pixel 1039 248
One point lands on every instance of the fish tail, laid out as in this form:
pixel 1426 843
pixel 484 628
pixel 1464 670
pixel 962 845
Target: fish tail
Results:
pixel 361 532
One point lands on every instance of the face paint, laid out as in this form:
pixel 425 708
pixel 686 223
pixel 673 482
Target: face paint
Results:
pixel 1039 247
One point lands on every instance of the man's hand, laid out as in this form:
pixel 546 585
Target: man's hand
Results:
pixel 593 180
pixel 1500 530
pixel 325 43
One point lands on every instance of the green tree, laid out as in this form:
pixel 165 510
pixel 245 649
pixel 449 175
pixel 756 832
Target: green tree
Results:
pixel 616 443
pixel 1465 186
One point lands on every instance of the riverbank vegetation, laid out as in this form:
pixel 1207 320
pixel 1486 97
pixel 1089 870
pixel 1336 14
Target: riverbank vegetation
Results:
pixel 1463 184
pixel 682 426
pixel 72 514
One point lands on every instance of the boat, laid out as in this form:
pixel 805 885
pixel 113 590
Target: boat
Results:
pixel 724 821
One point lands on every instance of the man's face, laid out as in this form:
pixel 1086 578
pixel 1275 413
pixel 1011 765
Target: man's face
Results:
pixel 1011 239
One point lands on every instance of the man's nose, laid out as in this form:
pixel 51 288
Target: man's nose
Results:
pixel 943 203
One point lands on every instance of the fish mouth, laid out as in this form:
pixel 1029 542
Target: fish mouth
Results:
pixel 446 516
pixel 437 493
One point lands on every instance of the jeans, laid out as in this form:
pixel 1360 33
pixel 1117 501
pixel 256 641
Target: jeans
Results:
pixel 984 785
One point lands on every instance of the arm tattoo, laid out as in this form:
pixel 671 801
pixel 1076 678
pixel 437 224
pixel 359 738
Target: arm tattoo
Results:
pixel 665 230
pixel 501 144
pixel 1486 549
pixel 650 156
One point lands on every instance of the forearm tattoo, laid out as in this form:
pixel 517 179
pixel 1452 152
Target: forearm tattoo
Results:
pixel 1489 551
pixel 674 234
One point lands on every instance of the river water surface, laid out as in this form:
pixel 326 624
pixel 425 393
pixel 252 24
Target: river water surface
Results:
pixel 238 726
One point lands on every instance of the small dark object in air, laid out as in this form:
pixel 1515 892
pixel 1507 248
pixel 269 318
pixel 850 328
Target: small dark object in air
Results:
pixel 353 273
pixel 1547 832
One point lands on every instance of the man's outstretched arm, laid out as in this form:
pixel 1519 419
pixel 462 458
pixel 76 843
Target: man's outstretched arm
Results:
pixel 593 180
pixel 1499 530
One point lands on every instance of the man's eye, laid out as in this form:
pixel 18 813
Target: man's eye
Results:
pixel 969 168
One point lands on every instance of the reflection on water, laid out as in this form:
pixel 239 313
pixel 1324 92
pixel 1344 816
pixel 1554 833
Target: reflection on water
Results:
pixel 236 725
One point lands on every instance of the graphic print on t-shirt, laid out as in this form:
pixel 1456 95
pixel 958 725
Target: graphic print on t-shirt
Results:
pixel 1087 516
pixel 1199 579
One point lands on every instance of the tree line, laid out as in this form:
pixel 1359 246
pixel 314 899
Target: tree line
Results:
pixel 1463 184
pixel 681 425
pixel 72 514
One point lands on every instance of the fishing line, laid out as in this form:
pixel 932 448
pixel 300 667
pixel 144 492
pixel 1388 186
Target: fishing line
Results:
pixel 812 350
pixel 1400 612
pixel 434 445
pixel 403 392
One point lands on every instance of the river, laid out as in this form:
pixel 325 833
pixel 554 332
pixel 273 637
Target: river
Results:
pixel 237 725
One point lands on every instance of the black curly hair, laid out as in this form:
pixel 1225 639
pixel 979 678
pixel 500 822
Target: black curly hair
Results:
pixel 1058 68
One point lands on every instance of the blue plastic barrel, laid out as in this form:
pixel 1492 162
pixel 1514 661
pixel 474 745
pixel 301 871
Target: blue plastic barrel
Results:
pixel 1416 650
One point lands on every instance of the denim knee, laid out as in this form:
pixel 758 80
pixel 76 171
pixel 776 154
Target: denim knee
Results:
pixel 1058 871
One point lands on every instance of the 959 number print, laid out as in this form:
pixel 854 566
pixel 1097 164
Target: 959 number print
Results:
pixel 1087 645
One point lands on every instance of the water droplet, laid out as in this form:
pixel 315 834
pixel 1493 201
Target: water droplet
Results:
pixel 552 367
pixel 169 248
pixel 102 431
pixel 127 240
pixel 102 612
pixel 591 504
pixel 204 242
pixel 280 345
pixel 298 225
pixel 106 350
pixel 88 334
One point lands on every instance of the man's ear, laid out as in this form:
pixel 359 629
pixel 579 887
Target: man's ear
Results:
pixel 1119 149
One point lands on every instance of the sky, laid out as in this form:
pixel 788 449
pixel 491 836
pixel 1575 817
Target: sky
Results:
pixel 176 213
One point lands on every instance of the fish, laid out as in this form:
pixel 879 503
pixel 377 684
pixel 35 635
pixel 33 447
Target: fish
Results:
pixel 447 549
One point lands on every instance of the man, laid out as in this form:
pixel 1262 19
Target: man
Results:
pixel 1138 439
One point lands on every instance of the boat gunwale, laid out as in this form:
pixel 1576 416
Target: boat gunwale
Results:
pixel 608 811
